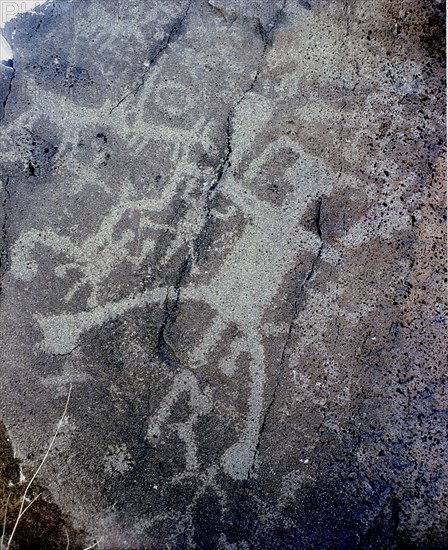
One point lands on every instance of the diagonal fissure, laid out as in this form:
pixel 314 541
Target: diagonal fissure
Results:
pixel 169 37
pixel 298 306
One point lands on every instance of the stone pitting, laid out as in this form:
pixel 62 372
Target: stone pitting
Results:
pixel 229 241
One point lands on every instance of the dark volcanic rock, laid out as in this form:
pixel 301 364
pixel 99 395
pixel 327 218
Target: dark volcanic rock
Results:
pixel 223 227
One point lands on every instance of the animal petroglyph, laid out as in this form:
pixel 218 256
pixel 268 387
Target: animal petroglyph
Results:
pixel 240 291
pixel 222 226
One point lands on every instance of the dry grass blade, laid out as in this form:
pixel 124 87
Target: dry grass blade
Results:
pixel 30 504
pixel 36 473
pixel 94 545
pixel 5 513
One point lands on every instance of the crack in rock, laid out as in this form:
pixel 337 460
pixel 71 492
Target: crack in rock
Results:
pixel 163 349
pixel 225 164
pixel 4 253
pixel 12 70
pixel 174 31
pixel 300 297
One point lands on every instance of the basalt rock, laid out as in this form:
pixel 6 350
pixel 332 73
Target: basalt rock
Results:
pixel 223 228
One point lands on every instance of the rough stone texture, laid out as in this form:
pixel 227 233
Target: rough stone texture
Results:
pixel 223 224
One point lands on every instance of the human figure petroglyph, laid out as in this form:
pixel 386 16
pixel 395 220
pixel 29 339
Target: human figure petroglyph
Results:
pixel 261 256
pixel 234 303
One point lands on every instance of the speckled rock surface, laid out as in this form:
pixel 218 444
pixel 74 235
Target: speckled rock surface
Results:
pixel 223 225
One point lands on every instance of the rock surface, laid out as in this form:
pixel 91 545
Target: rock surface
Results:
pixel 223 227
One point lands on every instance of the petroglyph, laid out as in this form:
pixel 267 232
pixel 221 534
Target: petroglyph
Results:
pixel 230 291
pixel 62 332
pixel 214 238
